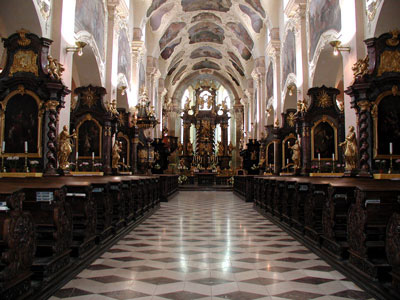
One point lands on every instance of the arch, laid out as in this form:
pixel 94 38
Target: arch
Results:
pixel 388 18
pixel 328 70
pixel 289 101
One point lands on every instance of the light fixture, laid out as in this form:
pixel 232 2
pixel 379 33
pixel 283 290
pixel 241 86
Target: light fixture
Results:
pixel 78 48
pixel 338 48
pixel 291 89
pixel 122 88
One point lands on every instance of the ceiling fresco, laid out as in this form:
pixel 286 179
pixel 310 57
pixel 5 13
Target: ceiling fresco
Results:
pixel 234 79
pixel 235 59
pixel 256 5
pixel 173 68
pixel 240 71
pixel 154 6
pixel 217 5
pixel 177 57
pixel 206 51
pixel 206 32
pixel 206 16
pixel 241 33
pixel 167 52
pixel 206 64
pixel 256 21
pixel 179 74
pixel 156 18
pixel 171 33
pixel 244 52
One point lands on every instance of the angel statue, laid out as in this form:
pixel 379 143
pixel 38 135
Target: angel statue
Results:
pixel 116 150
pixel 65 147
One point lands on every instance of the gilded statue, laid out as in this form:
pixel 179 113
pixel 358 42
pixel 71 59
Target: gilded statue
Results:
pixel 360 68
pixel 116 150
pixel 189 149
pixel 224 105
pixel 180 148
pixel 350 150
pixel 187 104
pixel 220 149
pixel 112 107
pixel 209 102
pixel 296 154
pixel 302 105
pixel 54 68
pixel 230 149
pixel 64 147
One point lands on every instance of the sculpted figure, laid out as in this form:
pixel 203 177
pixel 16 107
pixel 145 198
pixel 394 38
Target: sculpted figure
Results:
pixel 230 149
pixel 296 154
pixel 220 149
pixel 189 149
pixel 350 150
pixel 180 148
pixel 116 150
pixel 64 147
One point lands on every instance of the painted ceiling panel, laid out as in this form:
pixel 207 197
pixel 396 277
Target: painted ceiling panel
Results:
pixel 256 5
pixel 177 57
pixel 206 64
pixel 156 18
pixel 167 52
pixel 256 21
pixel 170 33
pixel 206 51
pixel 235 59
pixel 240 71
pixel 241 33
pixel 206 16
pixel 155 5
pixel 244 52
pixel 174 67
pixel 206 32
pixel 179 74
pixel 217 5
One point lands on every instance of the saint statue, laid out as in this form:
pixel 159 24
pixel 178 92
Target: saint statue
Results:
pixel 230 149
pixel 189 149
pixel 116 150
pixel 350 150
pixel 64 147
pixel 220 149
pixel 296 154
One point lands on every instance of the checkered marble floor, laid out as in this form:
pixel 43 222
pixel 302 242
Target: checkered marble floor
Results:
pixel 209 245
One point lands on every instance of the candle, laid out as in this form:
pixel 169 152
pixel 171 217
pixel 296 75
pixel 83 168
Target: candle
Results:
pixel 26 147
pixel 319 156
pixel 76 157
pixel 92 155
pixel 287 161
pixel 390 148
pixel 123 160
pixel 4 147
pixel 333 156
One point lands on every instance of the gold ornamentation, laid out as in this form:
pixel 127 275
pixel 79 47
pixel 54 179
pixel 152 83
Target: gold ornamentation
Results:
pixel 23 40
pixel 21 90
pixel 51 105
pixel 371 11
pixel 374 110
pixel 350 150
pixel 394 40
pixel 360 68
pixel 54 68
pixel 64 147
pixel 112 107
pixel 276 124
pixel 364 105
pixel 395 90
pixel 390 62
pixel 89 97
pixel 24 61
pixel 302 105
pixel 121 120
pixel 290 119
pixel 340 104
pixel 324 100
pixel 116 150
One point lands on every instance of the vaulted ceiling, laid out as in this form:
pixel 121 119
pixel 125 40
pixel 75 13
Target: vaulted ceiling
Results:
pixel 222 36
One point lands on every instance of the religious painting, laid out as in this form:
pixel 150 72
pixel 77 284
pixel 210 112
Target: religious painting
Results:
pixel 289 57
pixel 22 123
pixel 89 133
pixel 154 6
pixel 206 64
pixel 124 56
pixel 167 52
pixel 287 152
pixel 156 18
pixel 323 140
pixel 124 142
pixel 206 32
pixel 244 52
pixel 206 51
pixel 387 120
pixel 206 16
pixel 89 16
pixel 216 5
pixel 324 15
pixel 270 154
pixel 171 33
pixel 256 21
pixel 241 33
pixel 270 81
pixel 142 76
pixel 256 5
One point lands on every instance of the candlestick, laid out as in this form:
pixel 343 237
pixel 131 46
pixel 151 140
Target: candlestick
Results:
pixel 390 148
pixel 26 169
pixel 333 162
pixel 76 161
pixel 4 147
pixel 391 164
pixel 319 162
pixel 3 169
pixel 26 147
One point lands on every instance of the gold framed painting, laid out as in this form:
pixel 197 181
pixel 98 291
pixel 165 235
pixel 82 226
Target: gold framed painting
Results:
pixel 89 132
pixel 324 139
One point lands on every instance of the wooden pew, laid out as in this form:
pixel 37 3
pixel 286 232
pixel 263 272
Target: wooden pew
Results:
pixel 17 245
pixel 392 247
pixel 288 196
pixel 366 227
pixel 169 186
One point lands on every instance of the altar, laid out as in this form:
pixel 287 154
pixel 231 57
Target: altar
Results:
pixel 206 178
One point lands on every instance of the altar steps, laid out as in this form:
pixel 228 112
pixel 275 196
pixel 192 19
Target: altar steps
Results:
pixel 194 187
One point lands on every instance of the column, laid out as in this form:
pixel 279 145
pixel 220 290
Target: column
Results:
pixel 239 111
pixel 138 49
pixel 259 80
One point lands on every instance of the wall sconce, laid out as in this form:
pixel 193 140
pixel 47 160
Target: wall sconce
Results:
pixel 338 48
pixel 291 88
pixel 78 48
pixel 122 88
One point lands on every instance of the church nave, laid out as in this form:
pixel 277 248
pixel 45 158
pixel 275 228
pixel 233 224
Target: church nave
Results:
pixel 209 245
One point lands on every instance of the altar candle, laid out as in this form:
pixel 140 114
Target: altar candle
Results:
pixel 333 156
pixel 76 157
pixel 92 155
pixel 287 161
pixel 390 148
pixel 26 147
pixel 123 160
pixel 319 156
pixel 4 147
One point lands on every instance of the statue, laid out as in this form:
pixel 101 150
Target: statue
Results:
pixel 187 104
pixel 350 150
pixel 64 147
pixel 230 149
pixel 54 68
pixel 296 154
pixel 209 102
pixel 189 149
pixel 180 148
pixel 116 150
pixel 220 149
pixel 301 106
pixel 224 106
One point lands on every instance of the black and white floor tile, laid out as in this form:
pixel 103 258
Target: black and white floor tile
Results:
pixel 209 245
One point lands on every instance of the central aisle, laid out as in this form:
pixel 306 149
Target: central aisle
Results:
pixel 209 245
